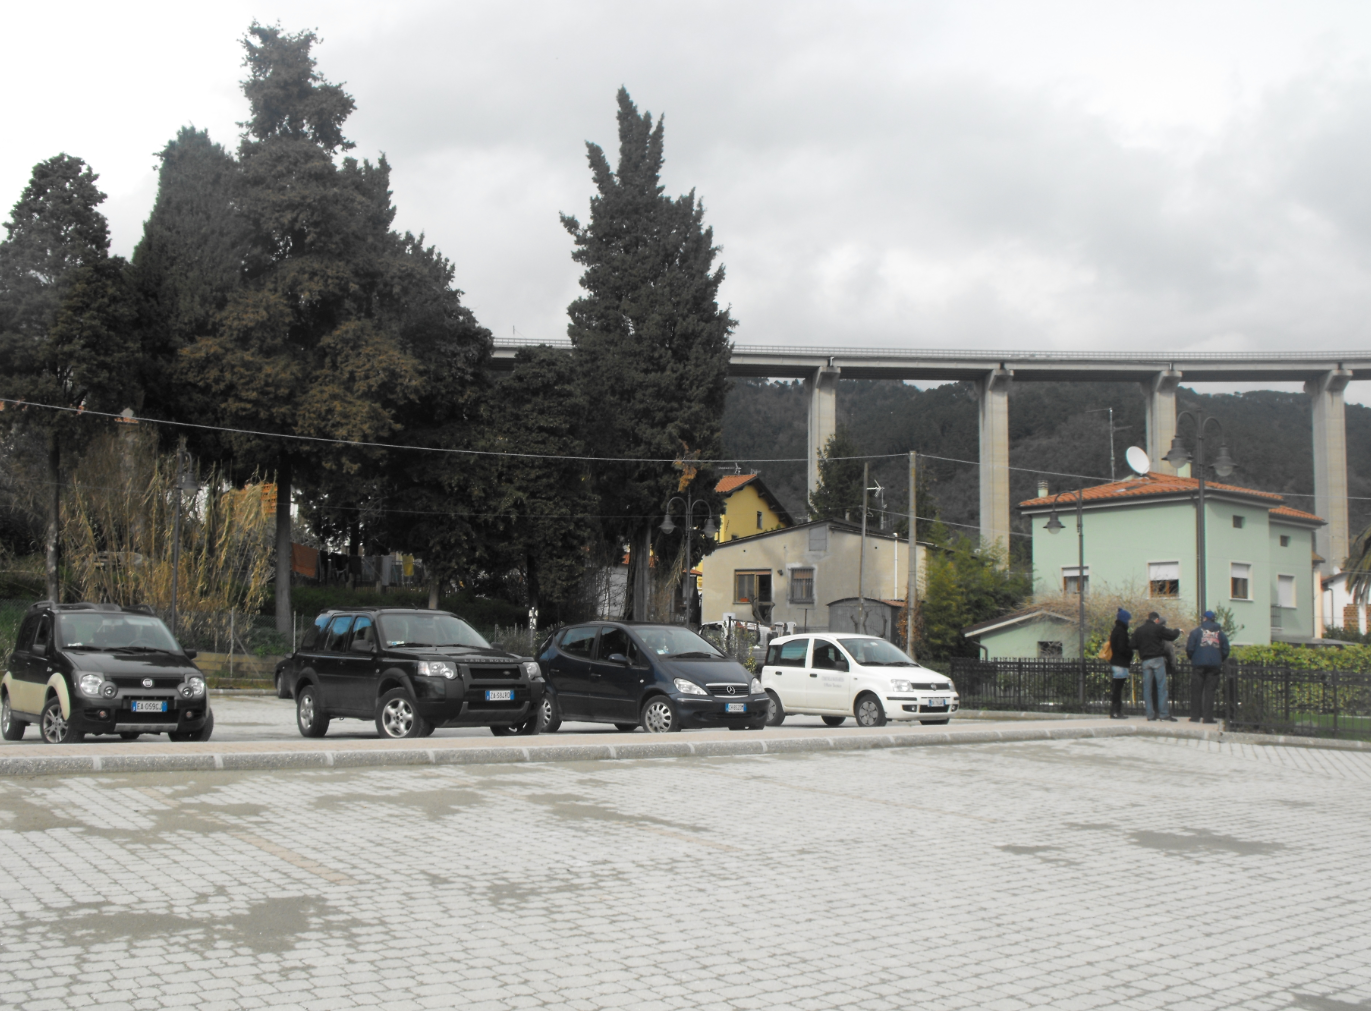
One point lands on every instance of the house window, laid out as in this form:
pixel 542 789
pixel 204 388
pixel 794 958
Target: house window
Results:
pixel 1285 591
pixel 759 519
pixel 1285 540
pixel 1072 581
pixel 1164 579
pixel 1238 522
pixel 1049 650
pixel 818 537
pixel 1239 581
pixel 750 587
pixel 802 586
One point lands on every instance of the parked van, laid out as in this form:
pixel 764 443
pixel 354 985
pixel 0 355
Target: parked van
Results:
pixel 837 675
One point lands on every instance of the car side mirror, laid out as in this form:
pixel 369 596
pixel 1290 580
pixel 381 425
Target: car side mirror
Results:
pixel 360 646
pixel 39 649
pixel 191 654
pixel 842 665
pixel 618 658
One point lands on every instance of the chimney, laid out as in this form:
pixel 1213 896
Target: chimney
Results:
pixel 1042 489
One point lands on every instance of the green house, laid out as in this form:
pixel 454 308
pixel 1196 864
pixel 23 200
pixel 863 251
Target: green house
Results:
pixel 1140 535
pixel 1031 632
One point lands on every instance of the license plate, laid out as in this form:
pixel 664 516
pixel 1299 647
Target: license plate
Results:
pixel 735 707
pixel 937 703
pixel 149 707
pixel 500 695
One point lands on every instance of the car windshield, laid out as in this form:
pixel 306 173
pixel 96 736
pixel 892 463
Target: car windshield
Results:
pixel 113 630
pixel 877 653
pixel 429 628
pixel 669 640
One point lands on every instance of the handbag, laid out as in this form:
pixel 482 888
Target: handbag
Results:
pixel 1107 651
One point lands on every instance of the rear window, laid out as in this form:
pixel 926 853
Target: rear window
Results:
pixel 787 654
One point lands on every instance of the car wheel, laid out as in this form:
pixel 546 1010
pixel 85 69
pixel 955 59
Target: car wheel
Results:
pixel 196 735
pixel 549 717
pixel 775 712
pixel 282 692
pixel 10 728
pixel 660 716
pixel 626 728
pixel 934 723
pixel 308 716
pixel 869 711
pixel 56 728
pixel 835 721
pixel 396 716
pixel 130 735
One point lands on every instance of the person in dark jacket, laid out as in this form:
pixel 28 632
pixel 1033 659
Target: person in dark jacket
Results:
pixel 1121 655
pixel 1207 648
pixel 1150 640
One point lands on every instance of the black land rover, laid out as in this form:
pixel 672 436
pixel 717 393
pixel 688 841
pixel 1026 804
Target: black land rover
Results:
pixel 409 670
pixel 80 669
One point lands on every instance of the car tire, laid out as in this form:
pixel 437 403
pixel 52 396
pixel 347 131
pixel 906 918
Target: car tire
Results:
pixel 281 691
pixel 56 728
pixel 502 731
pixel 868 710
pixel 202 734
pixel 834 721
pixel 775 712
pixel 396 717
pixel 626 728
pixel 429 728
pixel 934 723
pixel 660 716
pixel 549 716
pixel 308 716
pixel 10 728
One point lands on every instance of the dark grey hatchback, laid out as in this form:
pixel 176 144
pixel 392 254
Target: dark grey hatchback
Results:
pixel 658 677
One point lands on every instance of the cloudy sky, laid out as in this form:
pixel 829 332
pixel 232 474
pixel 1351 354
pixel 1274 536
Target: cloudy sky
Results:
pixel 1010 173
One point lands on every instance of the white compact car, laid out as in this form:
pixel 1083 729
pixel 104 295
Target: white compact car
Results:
pixel 835 676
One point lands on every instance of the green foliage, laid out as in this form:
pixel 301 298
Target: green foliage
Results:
pixel 651 342
pixel 11 614
pixel 477 610
pixel 1352 657
pixel 1228 621
pixel 839 495
pixel 965 584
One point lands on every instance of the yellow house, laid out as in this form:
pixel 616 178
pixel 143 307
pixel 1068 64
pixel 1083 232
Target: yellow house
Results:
pixel 748 508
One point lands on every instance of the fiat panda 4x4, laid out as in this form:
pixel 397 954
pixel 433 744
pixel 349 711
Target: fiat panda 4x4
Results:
pixel 79 669
pixel 835 676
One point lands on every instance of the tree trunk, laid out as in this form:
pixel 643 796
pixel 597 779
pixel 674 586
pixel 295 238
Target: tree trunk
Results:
pixel 641 557
pixel 283 614
pixel 433 593
pixel 53 539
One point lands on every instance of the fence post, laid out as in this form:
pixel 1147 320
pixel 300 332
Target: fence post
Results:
pixel 1335 703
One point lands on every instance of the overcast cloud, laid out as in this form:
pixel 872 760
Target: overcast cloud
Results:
pixel 1045 175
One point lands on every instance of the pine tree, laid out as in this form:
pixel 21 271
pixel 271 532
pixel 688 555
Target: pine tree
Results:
pixel 66 320
pixel 651 342
pixel 839 495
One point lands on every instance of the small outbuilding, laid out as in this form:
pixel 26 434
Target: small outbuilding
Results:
pixel 1031 632
pixel 869 617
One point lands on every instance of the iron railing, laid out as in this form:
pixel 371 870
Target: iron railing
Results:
pixel 1250 697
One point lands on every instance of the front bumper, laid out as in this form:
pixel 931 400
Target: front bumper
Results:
pixel 459 703
pixel 906 706
pixel 117 715
pixel 698 711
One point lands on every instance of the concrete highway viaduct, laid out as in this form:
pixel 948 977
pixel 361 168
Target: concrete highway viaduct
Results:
pixel 1325 376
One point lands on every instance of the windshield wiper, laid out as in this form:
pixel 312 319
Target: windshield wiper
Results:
pixel 696 655
pixel 139 649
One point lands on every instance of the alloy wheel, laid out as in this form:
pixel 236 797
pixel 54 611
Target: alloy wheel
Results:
pixel 306 711
pixel 658 717
pixel 397 717
pixel 54 725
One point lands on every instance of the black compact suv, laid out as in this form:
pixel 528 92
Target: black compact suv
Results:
pixel 80 669
pixel 410 671
pixel 659 677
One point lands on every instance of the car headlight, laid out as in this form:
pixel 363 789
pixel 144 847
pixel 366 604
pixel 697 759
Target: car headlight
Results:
pixel 196 685
pixel 949 687
pixel 686 687
pixel 437 669
pixel 531 670
pixel 90 684
pixel 901 686
pixel 756 686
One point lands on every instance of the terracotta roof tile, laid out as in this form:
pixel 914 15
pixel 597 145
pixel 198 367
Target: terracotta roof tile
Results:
pixel 732 482
pixel 1296 514
pixel 1153 484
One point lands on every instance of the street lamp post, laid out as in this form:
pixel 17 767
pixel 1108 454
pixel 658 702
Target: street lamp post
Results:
pixel 1178 456
pixel 1054 526
pixel 689 503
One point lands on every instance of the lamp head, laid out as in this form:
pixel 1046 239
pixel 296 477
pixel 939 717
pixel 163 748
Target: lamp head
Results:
pixel 1054 525
pixel 710 527
pixel 1178 456
pixel 1223 463
pixel 667 526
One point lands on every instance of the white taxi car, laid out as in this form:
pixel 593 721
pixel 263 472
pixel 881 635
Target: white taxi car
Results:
pixel 836 675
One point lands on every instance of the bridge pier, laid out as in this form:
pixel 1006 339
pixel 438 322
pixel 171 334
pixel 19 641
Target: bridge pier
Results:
pixel 1330 466
pixel 992 395
pixel 1160 394
pixel 821 393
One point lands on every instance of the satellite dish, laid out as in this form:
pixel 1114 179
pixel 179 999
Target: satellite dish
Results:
pixel 1138 460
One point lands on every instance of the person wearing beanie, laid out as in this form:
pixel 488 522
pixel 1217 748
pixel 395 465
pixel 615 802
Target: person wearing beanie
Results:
pixel 1207 649
pixel 1120 656
pixel 1150 639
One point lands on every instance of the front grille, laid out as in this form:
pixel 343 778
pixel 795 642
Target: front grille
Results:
pixel 729 690
pixel 930 687
pixel 132 681
pixel 495 673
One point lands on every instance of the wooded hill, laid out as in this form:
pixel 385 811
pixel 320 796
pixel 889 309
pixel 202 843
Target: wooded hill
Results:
pixel 1061 427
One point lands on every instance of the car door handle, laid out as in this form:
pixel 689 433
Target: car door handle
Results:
pixel 813 675
pixel 594 673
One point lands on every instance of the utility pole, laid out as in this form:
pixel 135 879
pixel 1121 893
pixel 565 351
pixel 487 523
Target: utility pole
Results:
pixel 911 597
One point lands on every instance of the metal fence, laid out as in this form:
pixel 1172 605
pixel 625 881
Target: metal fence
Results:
pixel 1250 697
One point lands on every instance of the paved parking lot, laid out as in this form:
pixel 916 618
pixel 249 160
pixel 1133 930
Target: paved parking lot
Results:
pixel 1125 872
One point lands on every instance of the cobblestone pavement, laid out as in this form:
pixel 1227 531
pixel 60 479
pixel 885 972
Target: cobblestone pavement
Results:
pixel 1138 873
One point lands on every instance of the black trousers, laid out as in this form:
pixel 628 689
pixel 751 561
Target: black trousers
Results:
pixel 1116 696
pixel 1203 681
